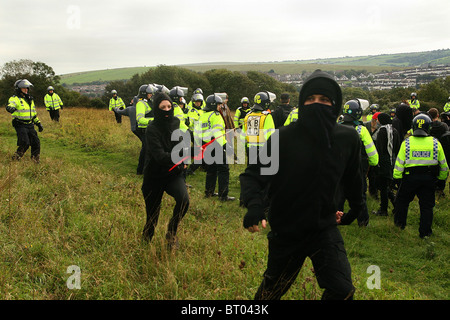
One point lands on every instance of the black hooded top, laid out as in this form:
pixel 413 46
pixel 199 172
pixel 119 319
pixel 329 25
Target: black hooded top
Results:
pixel 315 155
pixel 158 142
pixel 403 119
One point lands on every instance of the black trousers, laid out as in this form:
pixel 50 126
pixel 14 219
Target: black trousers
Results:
pixel 54 114
pixel 219 172
pixel 140 133
pixel 384 185
pixel 26 137
pixel 153 191
pixel 422 186
pixel 327 253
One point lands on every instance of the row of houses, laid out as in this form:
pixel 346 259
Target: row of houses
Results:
pixel 408 78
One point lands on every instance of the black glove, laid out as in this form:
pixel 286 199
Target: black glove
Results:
pixel 10 109
pixel 253 216
pixel 40 127
pixel 440 185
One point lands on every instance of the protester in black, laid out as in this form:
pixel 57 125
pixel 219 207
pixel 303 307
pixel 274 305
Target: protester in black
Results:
pixel 157 175
pixel 387 141
pixel 282 111
pixel 403 119
pixel 315 155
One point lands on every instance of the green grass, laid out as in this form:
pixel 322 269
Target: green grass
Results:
pixel 82 205
pixel 102 75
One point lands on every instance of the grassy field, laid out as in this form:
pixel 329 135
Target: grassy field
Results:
pixel 82 206
pixel 277 67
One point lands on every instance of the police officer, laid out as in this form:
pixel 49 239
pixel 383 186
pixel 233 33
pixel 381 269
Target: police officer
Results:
pixel 420 168
pixel 369 156
pixel 53 103
pixel 177 94
pixel 193 116
pixel 21 106
pixel 241 112
pixel 258 125
pixel 292 117
pixel 144 115
pixel 447 105
pixel 211 127
pixel 116 102
pixel 372 110
pixel 414 102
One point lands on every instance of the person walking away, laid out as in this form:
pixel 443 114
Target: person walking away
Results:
pixel 369 155
pixel 23 111
pixel 116 102
pixel 420 167
pixel 438 128
pixel 281 112
pixel 387 142
pixel 158 178
pixel 316 154
pixel 53 103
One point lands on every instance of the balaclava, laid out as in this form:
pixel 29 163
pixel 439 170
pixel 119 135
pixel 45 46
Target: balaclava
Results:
pixel 320 119
pixel 162 118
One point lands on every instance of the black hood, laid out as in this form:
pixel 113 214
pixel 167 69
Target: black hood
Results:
pixel 161 116
pixel 320 82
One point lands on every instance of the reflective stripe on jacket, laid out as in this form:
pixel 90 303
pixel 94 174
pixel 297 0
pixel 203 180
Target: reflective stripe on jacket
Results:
pixel 420 152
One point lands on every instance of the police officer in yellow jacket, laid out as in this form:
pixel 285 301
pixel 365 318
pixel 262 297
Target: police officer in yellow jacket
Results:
pixel 177 94
pixel 211 126
pixel 53 103
pixel 21 106
pixel 258 125
pixel 414 103
pixel 116 102
pixel 352 112
pixel 420 168
pixel 241 112
pixel 447 105
pixel 144 115
pixel 292 117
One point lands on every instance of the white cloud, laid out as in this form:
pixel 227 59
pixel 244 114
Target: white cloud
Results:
pixel 80 35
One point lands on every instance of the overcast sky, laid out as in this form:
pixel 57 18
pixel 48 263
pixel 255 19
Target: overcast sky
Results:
pixel 81 35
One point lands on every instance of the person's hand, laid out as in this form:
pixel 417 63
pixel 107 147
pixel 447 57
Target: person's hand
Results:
pixel 254 215
pixel 339 215
pixel 40 127
pixel 255 228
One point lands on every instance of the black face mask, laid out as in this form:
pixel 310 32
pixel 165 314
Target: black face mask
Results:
pixel 319 121
pixel 162 117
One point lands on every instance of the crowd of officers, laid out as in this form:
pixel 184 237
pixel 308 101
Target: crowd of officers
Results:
pixel 403 151
pixel 402 154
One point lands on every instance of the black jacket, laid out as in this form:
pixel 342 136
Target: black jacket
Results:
pixel 159 147
pixel 280 114
pixel 385 162
pixel 302 192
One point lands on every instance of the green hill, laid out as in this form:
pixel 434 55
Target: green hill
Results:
pixel 375 63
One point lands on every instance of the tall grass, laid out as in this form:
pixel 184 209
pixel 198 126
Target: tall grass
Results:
pixel 82 205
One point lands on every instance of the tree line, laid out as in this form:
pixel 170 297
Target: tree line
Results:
pixel 236 84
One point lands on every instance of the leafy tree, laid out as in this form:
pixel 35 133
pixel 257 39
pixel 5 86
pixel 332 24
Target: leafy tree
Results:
pixel 38 73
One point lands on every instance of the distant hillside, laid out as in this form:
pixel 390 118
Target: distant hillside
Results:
pixel 411 59
pixel 374 64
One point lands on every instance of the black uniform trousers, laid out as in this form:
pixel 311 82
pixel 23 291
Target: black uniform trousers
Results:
pixel 26 137
pixel 153 191
pixel 54 114
pixel 329 258
pixel 217 171
pixel 422 185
